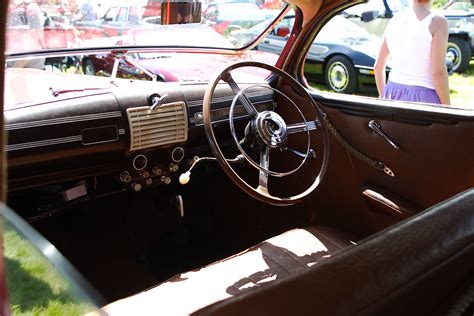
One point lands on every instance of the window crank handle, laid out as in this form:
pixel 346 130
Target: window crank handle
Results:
pixel 375 127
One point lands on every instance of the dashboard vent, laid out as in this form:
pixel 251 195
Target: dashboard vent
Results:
pixel 165 125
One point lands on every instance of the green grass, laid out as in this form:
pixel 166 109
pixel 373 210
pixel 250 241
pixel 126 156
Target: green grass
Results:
pixel 461 87
pixel 35 287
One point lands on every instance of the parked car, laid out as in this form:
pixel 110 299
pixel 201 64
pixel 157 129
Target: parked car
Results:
pixel 342 56
pixel 460 15
pixel 38 30
pixel 170 67
pixel 228 194
pixel 117 20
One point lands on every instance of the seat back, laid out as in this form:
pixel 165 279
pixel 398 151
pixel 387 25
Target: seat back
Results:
pixel 412 268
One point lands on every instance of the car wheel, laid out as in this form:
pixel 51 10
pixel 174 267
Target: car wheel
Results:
pixel 459 53
pixel 340 75
pixel 88 68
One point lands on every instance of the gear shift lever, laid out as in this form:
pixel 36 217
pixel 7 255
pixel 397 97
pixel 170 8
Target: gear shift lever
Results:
pixel 184 178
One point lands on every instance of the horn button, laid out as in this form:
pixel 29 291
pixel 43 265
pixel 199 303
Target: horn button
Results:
pixel 272 129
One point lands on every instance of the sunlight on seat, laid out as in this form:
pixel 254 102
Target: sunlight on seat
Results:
pixel 194 288
pixel 292 240
pixel 272 260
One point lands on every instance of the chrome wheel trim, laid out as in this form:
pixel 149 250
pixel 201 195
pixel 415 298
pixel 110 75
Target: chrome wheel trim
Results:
pixel 338 76
pixel 454 54
pixel 89 70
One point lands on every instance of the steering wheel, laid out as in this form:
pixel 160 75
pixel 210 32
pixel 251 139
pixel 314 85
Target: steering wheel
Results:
pixel 268 131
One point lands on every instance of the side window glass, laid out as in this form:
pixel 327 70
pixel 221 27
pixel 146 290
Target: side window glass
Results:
pixel 111 14
pixel 122 15
pixel 342 57
pixel 133 16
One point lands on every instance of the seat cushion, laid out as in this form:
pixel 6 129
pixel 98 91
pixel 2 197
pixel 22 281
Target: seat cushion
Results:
pixel 276 258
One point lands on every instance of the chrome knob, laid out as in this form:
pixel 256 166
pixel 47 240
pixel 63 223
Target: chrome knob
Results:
pixel 136 186
pixel 125 177
pixel 173 167
pixel 157 171
pixel 166 180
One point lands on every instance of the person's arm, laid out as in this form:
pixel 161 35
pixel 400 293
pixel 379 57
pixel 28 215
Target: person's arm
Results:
pixel 439 29
pixel 379 67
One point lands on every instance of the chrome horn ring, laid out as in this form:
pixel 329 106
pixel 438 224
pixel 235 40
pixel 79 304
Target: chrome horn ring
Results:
pixel 273 139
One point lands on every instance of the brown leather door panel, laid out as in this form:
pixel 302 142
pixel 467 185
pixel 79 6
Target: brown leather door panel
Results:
pixel 435 161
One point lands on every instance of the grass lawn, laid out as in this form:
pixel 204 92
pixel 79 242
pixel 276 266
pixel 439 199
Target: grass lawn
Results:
pixel 35 287
pixel 461 87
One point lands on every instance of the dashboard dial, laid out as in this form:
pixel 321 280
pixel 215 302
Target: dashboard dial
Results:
pixel 140 162
pixel 177 154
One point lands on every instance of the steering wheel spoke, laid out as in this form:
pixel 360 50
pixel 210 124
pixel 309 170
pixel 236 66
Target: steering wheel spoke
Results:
pixel 265 164
pixel 251 110
pixel 302 127
pixel 311 153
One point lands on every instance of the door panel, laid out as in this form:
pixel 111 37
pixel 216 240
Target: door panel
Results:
pixel 434 162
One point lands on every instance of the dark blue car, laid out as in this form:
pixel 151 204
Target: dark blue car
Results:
pixel 342 55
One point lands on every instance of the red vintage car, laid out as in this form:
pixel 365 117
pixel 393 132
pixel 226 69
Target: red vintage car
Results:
pixel 171 66
pixel 117 20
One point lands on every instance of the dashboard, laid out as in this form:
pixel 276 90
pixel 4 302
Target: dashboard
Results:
pixel 144 136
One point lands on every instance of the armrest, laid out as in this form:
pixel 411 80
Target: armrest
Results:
pixel 379 200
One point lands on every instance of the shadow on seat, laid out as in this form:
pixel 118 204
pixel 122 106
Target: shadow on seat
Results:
pixel 420 266
pixel 275 269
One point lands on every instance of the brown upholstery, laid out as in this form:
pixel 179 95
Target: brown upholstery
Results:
pixel 417 267
pixel 274 259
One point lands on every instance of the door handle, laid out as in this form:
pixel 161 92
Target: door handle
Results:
pixel 376 128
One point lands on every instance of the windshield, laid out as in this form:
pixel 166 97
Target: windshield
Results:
pixel 59 24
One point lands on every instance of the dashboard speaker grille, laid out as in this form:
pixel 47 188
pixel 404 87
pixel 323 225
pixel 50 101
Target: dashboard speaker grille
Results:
pixel 165 125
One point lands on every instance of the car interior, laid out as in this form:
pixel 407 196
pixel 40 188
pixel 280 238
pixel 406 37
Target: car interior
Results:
pixel 231 197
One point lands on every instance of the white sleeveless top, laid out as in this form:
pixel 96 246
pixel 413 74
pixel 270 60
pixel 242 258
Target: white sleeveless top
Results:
pixel 409 42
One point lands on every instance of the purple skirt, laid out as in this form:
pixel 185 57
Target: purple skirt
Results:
pixel 403 92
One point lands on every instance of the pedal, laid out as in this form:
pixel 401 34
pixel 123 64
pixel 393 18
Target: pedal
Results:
pixel 179 205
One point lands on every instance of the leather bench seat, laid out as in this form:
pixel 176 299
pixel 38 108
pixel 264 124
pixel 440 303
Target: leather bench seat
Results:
pixel 276 258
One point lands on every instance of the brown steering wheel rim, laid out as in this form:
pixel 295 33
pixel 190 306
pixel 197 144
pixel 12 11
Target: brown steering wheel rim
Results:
pixel 243 185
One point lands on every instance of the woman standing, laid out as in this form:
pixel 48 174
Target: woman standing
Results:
pixel 416 41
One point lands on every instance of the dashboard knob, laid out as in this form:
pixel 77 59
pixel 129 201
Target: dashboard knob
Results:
pixel 185 177
pixel 136 186
pixel 145 174
pixel 157 171
pixel 166 180
pixel 149 181
pixel 173 167
pixel 125 177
